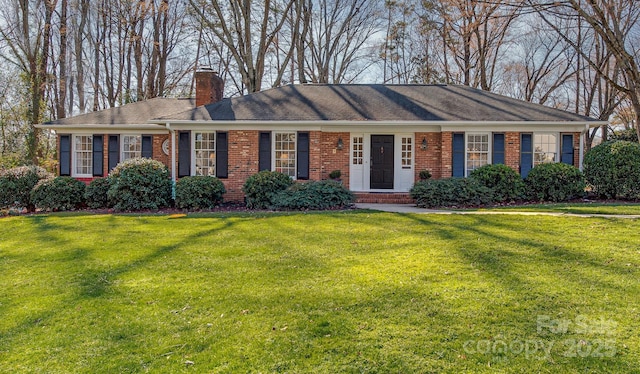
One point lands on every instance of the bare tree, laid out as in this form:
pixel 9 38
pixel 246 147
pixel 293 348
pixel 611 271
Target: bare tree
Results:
pixel 397 52
pixel 25 28
pixel 473 34
pixel 63 30
pixel 338 37
pixel 248 29
pixel 14 126
pixel 617 24
pixel 540 65
pixel 79 25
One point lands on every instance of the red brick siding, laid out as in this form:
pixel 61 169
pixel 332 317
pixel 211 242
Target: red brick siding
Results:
pixel 325 157
pixel 333 158
pixel 512 150
pixel 243 162
pixel 86 180
pixel 576 149
pixel 446 170
pixel 158 155
pixel 431 158
pixel 105 155
pixel 315 155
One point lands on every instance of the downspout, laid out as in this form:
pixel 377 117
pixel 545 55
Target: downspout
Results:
pixel 582 141
pixel 172 135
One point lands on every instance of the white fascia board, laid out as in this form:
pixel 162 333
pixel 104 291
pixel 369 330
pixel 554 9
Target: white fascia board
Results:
pixel 244 125
pixel 386 126
pixel 151 129
pixel 520 126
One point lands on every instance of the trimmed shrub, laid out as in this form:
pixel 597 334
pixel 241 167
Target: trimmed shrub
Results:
pixel 612 169
pixel 555 182
pixel 450 192
pixel 335 174
pixel 16 185
pixel 260 189
pixel 139 183
pixel 199 192
pixel 61 193
pixel 506 183
pixel 424 175
pixel 95 194
pixel 314 195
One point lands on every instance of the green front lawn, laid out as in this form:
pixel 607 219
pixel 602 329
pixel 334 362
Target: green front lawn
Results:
pixel 321 292
pixel 574 208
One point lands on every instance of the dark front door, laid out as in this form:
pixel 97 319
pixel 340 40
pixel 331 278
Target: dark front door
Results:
pixel 381 162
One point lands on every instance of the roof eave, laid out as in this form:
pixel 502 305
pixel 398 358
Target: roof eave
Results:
pixel 159 127
pixel 145 128
pixel 342 124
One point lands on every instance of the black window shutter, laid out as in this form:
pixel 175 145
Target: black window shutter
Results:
pixel 303 156
pixel 222 155
pixel 147 146
pixel 184 154
pixel 264 151
pixel 65 155
pixel 457 163
pixel 98 156
pixel 114 151
pixel 567 149
pixel 498 149
pixel 526 154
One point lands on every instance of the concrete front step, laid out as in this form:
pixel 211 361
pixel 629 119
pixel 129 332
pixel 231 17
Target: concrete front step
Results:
pixel 383 198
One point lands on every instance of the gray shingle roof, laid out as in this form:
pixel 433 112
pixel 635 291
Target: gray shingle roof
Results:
pixel 137 113
pixel 320 102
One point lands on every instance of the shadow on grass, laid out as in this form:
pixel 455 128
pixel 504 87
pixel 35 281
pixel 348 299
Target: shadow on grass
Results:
pixel 512 243
pixel 94 283
pixel 332 313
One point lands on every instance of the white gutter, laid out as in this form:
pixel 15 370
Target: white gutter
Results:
pixel 172 135
pixel 247 124
pixel 148 128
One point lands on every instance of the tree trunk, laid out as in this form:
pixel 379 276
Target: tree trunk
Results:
pixel 62 75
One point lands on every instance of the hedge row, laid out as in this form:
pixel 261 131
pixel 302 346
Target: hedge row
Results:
pixel 274 190
pixel 499 184
pixel 140 184
pixel 613 170
pixel 135 184
pixel 16 185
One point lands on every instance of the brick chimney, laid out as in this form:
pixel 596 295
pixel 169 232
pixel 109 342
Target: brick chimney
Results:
pixel 209 86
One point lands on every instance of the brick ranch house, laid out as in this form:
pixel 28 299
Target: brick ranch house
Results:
pixel 379 136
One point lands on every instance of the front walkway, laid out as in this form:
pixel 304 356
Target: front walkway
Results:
pixel 412 208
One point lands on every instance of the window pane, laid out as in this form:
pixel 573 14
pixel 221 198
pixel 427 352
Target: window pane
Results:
pixel 83 146
pixel 285 153
pixel 357 146
pixel 477 151
pixel 407 151
pixel 205 152
pixel 131 146
pixel 545 148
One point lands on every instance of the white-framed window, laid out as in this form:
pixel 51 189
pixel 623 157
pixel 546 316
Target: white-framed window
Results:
pixel 285 153
pixel 477 151
pixel 131 147
pixel 357 147
pixel 83 155
pixel 545 148
pixel 205 153
pixel 407 152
